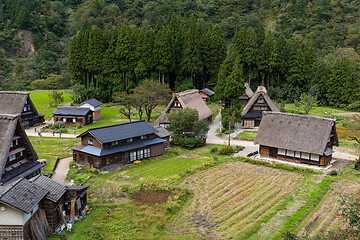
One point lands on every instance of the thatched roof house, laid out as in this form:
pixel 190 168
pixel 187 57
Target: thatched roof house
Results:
pixel 187 99
pixel 17 156
pixel 258 103
pixel 19 103
pixel 298 138
pixel 247 95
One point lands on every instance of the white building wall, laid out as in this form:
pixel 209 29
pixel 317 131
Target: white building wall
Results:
pixel 12 216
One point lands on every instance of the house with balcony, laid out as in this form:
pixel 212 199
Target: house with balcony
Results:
pixel 118 144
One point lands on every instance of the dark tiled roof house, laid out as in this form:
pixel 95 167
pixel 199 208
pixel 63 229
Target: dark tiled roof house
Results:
pixel 118 144
pixel 95 107
pixel 73 115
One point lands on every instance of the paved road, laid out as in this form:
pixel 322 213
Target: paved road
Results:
pixel 62 170
pixel 31 132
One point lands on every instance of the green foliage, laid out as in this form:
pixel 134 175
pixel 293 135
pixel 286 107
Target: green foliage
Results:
pixel 190 143
pixel 182 122
pixel 214 150
pixel 333 173
pixel 307 102
pixel 227 150
pixel 56 98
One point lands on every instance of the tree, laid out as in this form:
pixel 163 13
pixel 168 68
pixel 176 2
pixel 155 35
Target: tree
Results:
pixel 126 102
pixel 56 98
pixel 182 122
pixel 150 94
pixel 307 102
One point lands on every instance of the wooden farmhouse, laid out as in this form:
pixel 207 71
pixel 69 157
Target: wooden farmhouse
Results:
pixel 19 103
pixel 17 156
pixel 259 102
pixel 181 100
pixel 247 95
pixel 118 144
pixel 95 107
pixel 73 115
pixel 297 138
pixel 30 204
pixel 205 93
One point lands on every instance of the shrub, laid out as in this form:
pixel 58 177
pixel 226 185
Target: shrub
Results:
pixel 228 150
pixel 214 150
pixel 333 173
pixel 355 106
pixel 191 142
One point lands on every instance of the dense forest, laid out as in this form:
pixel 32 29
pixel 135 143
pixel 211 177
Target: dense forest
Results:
pixel 290 46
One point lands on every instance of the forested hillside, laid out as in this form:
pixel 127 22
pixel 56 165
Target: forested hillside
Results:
pixel 291 46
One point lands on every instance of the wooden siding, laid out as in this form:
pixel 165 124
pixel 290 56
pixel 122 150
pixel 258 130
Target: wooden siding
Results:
pixel 96 143
pixel 97 115
pixel 157 149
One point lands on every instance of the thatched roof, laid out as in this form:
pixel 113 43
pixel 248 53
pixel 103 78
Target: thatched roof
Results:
pixel 12 102
pixel 248 90
pixel 296 132
pixel 260 91
pixel 188 99
pixel 8 125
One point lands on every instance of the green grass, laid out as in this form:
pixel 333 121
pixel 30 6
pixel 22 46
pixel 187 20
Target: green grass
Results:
pixel 41 101
pixel 317 110
pixel 51 148
pixel 247 134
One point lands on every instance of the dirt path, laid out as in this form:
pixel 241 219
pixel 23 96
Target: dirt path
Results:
pixel 62 170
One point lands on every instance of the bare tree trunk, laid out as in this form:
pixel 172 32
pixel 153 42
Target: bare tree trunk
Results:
pixel 249 76
pixel 87 79
pixel 159 77
pixel 163 78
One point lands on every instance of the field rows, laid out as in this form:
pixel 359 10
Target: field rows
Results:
pixel 234 199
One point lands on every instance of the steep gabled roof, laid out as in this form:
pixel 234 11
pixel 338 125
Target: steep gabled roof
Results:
pixel 295 132
pixel 260 91
pixel 120 131
pixel 12 102
pixel 22 195
pixel 71 111
pixel 188 99
pixel 93 102
pixel 8 125
pixel 55 189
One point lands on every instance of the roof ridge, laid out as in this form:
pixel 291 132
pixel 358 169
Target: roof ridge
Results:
pixel 187 91
pixel 11 186
pixel 9 116
pixel 297 115
pixel 116 125
pixel 22 93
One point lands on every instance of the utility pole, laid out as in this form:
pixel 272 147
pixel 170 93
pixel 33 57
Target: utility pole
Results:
pixel 59 129
pixel 229 132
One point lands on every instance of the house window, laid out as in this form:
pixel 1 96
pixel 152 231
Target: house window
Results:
pixel 305 155
pixel 146 152
pixel 140 153
pixel 290 153
pixel 74 120
pixel 314 157
pixel 297 154
pixel 25 109
pixel 129 140
pixel 90 142
pixel 143 137
pixel 281 151
pixel 263 108
pixel 12 144
pixel 132 156
pixel 21 154
pixel 260 100
pixel 114 143
pixel 12 157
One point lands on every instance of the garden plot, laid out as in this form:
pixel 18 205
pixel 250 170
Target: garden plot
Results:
pixel 233 200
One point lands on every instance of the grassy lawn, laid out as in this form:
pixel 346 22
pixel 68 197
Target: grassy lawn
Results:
pixel 317 110
pixel 247 134
pixel 41 101
pixel 51 148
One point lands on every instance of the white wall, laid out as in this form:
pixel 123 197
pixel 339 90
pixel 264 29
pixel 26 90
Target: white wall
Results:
pixel 86 105
pixel 12 216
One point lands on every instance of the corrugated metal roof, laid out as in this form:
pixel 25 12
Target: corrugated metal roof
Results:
pixel 71 111
pixel 121 131
pixel 208 91
pixel 121 148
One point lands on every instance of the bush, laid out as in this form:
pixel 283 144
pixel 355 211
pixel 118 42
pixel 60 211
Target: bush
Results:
pixel 228 150
pixel 333 173
pixel 354 106
pixel 214 150
pixel 191 142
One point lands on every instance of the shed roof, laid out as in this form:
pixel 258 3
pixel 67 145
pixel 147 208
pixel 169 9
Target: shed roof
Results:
pixel 162 132
pixel 22 195
pixel 93 102
pixel 121 131
pixel 207 91
pixel 55 189
pixel 188 99
pixel 295 132
pixel 71 111
pixel 261 90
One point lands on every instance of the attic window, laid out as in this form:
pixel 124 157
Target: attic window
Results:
pixel 143 137
pixel 129 140
pixel 114 143
pixel 90 142
pixel 260 100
